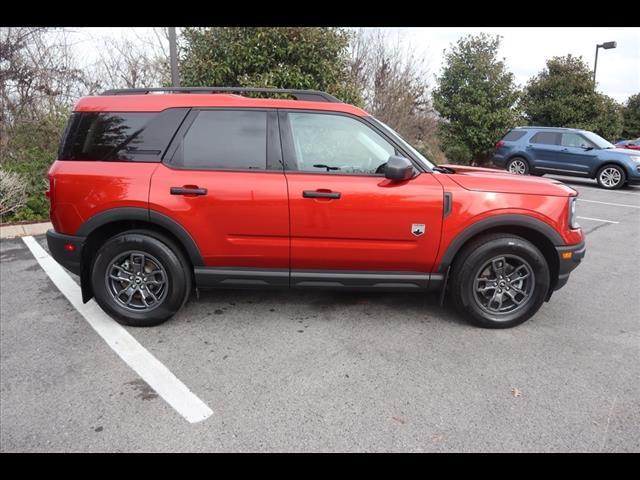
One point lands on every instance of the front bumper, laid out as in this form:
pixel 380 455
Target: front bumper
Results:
pixel 569 257
pixel 68 259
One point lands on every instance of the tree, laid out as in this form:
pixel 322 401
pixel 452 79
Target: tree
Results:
pixel 476 97
pixel 282 57
pixel 394 88
pixel 631 115
pixel 563 95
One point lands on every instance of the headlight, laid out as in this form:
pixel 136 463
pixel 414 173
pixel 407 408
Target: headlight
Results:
pixel 572 213
pixel 635 159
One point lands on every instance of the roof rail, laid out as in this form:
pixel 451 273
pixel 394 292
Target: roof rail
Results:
pixel 308 95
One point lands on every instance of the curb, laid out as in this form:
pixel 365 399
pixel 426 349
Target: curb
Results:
pixel 13 231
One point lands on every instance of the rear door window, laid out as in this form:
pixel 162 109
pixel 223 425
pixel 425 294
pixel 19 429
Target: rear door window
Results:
pixel 224 140
pixel 546 138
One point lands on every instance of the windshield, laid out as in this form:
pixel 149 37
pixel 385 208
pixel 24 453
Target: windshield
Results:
pixel 598 140
pixel 404 143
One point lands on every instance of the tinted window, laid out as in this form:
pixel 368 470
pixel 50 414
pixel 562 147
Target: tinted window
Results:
pixel 114 136
pixel 337 144
pixel 575 140
pixel 514 135
pixel 546 138
pixel 103 136
pixel 224 139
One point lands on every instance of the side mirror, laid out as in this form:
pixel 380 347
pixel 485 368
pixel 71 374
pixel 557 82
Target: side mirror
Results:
pixel 398 168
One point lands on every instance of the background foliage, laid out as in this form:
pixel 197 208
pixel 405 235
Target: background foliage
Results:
pixel 563 95
pixel 476 97
pixel 283 57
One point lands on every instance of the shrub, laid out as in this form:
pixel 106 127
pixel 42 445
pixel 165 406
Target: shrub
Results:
pixel 13 192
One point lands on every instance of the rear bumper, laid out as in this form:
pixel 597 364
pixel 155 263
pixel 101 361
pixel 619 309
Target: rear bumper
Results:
pixel 569 257
pixel 68 259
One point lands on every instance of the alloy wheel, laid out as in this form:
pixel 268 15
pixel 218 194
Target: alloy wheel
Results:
pixel 518 167
pixel 503 285
pixel 610 177
pixel 137 281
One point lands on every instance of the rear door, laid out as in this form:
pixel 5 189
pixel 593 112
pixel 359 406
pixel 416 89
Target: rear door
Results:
pixel 345 215
pixel 544 148
pixel 223 181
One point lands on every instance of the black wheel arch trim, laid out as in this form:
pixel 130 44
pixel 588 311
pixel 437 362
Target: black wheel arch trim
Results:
pixel 508 220
pixel 145 215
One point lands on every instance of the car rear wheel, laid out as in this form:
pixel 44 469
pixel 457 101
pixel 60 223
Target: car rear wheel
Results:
pixel 611 177
pixel 140 278
pixel 499 281
pixel 518 165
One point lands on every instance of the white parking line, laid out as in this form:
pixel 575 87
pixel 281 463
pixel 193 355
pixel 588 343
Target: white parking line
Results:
pixel 607 203
pixel 150 369
pixel 596 219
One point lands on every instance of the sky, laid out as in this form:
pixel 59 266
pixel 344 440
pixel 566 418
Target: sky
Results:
pixel 525 49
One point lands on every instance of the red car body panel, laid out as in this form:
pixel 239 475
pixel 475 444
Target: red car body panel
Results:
pixel 369 227
pixel 83 189
pixel 157 103
pixel 243 221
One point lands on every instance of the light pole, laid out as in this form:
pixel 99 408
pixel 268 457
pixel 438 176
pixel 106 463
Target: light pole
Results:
pixel 606 46
pixel 173 54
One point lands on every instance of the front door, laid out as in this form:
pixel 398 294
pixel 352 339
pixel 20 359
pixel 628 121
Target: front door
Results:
pixel 577 153
pixel 345 215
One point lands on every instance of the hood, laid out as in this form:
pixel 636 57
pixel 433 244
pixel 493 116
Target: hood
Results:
pixel 501 181
pixel 625 151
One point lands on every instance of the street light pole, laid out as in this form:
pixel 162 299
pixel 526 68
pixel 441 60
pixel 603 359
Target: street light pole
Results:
pixel 606 46
pixel 173 54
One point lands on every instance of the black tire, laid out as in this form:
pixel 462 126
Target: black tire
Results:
pixel 158 250
pixel 518 166
pixel 469 265
pixel 607 176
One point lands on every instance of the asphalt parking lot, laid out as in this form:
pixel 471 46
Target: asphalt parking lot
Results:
pixel 322 371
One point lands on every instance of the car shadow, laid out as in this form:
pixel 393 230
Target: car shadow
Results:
pixel 366 305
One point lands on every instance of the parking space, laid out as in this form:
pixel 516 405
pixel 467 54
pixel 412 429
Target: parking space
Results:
pixel 303 371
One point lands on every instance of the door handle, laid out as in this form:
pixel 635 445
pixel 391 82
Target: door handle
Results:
pixel 320 194
pixel 187 191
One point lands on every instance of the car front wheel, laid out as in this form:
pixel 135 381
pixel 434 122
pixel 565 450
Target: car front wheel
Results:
pixel 140 278
pixel 611 177
pixel 499 281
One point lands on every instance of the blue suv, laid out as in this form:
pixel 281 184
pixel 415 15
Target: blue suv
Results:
pixel 567 151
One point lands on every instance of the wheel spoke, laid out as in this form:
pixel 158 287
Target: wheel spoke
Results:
pixel 498 266
pixel 119 279
pixel 513 297
pixel 137 262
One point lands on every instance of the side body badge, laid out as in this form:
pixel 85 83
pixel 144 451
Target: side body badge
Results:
pixel 418 229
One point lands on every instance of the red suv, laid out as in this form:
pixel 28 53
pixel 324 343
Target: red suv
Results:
pixel 157 192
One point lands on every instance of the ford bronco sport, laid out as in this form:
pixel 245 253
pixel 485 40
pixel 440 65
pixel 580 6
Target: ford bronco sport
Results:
pixel 158 192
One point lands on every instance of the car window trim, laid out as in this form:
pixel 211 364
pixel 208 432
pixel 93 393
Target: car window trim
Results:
pixel 274 161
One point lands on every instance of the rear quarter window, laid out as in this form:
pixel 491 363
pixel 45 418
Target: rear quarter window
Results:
pixel 119 136
pixel 514 135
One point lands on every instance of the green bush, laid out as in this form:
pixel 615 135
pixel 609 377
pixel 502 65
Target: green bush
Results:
pixel 30 149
